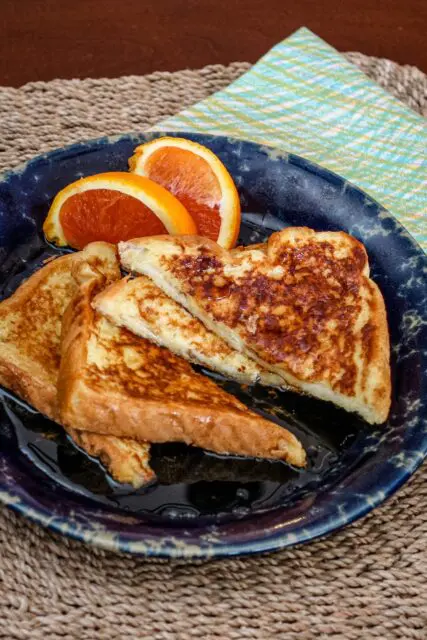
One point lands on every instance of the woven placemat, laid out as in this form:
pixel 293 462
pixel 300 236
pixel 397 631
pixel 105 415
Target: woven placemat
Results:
pixel 367 581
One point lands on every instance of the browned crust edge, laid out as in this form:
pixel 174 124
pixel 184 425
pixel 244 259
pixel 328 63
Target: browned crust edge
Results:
pixel 36 391
pixel 380 355
pixel 127 460
pixel 28 383
pixel 216 430
pixel 379 405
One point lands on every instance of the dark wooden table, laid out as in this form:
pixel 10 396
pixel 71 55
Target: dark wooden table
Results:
pixel 45 39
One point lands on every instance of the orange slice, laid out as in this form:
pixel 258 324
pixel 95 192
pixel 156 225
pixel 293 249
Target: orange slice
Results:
pixel 198 179
pixel 113 207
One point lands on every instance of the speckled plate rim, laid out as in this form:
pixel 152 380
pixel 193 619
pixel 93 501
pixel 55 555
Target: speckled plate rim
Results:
pixel 173 549
pixel 164 546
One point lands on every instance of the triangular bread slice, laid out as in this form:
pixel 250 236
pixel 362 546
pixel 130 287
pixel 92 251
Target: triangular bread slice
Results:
pixel 304 307
pixel 30 332
pixel 115 383
pixel 140 306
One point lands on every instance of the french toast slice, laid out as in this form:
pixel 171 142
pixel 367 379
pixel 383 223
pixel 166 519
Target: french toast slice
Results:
pixel 141 307
pixel 30 332
pixel 113 382
pixel 304 307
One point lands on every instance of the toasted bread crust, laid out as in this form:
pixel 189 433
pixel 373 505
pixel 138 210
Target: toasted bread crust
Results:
pixel 30 370
pixel 30 326
pixel 214 429
pixel 140 391
pixel 37 392
pixel 375 377
pixel 126 459
pixel 304 308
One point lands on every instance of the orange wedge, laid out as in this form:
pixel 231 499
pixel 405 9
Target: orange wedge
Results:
pixel 113 207
pixel 198 179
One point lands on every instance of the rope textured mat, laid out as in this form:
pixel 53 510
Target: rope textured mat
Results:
pixel 367 581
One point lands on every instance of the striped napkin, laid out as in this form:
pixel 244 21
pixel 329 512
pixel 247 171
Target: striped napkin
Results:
pixel 305 98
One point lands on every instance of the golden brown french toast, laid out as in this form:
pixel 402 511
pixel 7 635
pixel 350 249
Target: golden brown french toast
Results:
pixel 141 307
pixel 30 331
pixel 303 307
pixel 113 382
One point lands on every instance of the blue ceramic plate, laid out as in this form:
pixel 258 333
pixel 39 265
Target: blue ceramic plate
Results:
pixel 204 505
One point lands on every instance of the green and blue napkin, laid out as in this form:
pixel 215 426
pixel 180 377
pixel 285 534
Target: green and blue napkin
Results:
pixel 305 98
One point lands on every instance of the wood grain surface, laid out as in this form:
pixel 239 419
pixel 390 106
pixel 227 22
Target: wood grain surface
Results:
pixel 46 39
